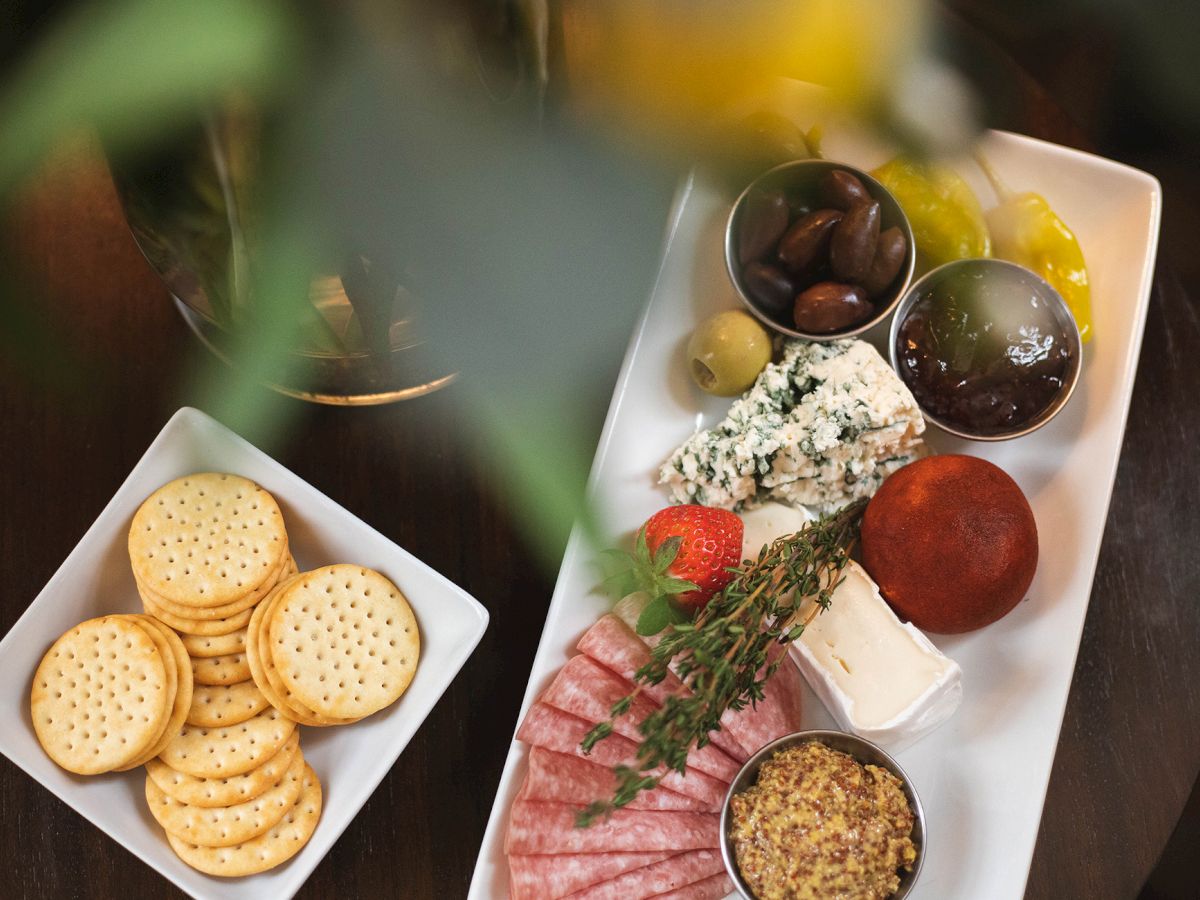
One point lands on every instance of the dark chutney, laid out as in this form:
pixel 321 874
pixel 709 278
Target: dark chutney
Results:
pixel 982 349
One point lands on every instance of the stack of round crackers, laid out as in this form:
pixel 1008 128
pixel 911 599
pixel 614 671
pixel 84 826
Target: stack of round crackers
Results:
pixel 333 645
pixel 235 800
pixel 205 550
pixel 212 712
pixel 111 694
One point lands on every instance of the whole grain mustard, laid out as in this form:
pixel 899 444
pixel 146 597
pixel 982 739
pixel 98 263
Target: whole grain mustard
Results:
pixel 819 824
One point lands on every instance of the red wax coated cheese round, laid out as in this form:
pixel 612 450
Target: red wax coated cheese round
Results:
pixel 951 542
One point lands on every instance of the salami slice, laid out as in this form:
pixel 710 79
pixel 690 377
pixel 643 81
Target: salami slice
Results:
pixel 545 726
pixel 556 875
pixel 562 778
pixel 711 888
pixel 587 689
pixel 777 714
pixel 535 827
pixel 615 646
pixel 658 878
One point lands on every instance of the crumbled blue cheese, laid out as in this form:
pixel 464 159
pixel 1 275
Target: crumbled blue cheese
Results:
pixel 820 428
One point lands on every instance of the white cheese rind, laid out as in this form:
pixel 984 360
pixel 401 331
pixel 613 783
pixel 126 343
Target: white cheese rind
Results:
pixel 820 428
pixel 878 677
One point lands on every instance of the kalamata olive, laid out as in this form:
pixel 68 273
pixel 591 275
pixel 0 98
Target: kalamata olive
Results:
pixel 852 246
pixel 808 239
pixel 761 223
pixel 829 306
pixel 889 257
pixel 841 190
pixel 798 206
pixel 770 287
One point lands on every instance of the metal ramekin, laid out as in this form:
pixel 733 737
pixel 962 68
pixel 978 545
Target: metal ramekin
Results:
pixel 801 178
pixel 1062 315
pixel 863 751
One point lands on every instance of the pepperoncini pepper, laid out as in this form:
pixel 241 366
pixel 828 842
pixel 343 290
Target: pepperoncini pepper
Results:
pixel 1028 232
pixel 945 215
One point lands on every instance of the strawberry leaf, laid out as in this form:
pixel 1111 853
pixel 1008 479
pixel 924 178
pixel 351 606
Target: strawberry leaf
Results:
pixel 672 585
pixel 654 617
pixel 614 556
pixel 620 583
pixel 658 614
pixel 666 553
pixel 641 550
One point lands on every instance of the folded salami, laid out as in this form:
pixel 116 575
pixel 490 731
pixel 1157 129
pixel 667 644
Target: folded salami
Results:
pixel 535 827
pixel 615 646
pixel 776 714
pixel 555 875
pixel 712 888
pixel 545 726
pixel 587 689
pixel 562 778
pixel 657 878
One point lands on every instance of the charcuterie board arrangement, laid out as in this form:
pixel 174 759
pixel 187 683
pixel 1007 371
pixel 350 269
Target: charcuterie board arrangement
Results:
pixel 862 461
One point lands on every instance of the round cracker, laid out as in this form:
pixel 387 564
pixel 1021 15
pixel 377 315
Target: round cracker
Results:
pixel 259 655
pixel 227 825
pixel 206 539
pixel 209 792
pixel 225 704
pixel 230 669
pixel 201 646
pixel 183 688
pixel 225 610
pixel 275 846
pixel 229 750
pixel 344 641
pixel 257 673
pixel 171 672
pixel 99 696
pixel 208 628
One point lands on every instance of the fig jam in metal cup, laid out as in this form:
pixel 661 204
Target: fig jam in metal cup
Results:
pixel 989 350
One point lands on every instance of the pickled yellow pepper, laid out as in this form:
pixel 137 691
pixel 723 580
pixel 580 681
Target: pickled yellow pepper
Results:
pixel 945 215
pixel 1025 230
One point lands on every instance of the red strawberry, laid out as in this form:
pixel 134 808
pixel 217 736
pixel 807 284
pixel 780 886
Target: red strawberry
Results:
pixel 678 563
pixel 711 542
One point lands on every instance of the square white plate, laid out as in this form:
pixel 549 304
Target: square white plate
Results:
pixel 96 579
pixel 982 776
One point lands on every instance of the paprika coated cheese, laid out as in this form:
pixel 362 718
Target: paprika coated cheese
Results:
pixel 952 543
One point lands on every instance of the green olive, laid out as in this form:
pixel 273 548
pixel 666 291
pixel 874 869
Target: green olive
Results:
pixel 726 353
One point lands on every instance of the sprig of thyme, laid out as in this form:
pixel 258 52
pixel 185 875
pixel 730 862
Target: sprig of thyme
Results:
pixel 729 653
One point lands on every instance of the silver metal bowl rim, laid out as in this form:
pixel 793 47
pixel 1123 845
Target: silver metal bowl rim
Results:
pixel 1062 313
pixel 853 745
pixel 876 188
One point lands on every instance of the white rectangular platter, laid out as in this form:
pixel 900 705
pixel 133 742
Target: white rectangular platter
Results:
pixel 982 776
pixel 96 579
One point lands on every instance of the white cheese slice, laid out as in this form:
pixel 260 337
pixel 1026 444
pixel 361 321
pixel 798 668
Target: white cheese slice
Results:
pixel 765 523
pixel 878 677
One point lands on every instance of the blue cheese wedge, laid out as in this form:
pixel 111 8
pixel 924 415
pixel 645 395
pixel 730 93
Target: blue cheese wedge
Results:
pixel 878 677
pixel 820 428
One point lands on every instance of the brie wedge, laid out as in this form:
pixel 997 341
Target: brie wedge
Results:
pixel 878 677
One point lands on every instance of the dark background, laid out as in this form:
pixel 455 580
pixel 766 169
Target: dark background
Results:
pixel 1107 76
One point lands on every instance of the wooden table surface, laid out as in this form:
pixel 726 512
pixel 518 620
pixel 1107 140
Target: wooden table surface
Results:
pixel 1130 743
